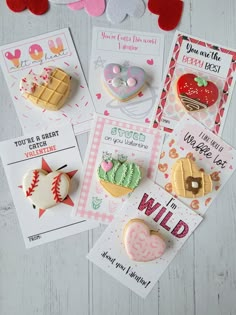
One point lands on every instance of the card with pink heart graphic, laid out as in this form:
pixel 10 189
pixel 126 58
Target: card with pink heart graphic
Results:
pixel 44 171
pixel 141 263
pixel 125 73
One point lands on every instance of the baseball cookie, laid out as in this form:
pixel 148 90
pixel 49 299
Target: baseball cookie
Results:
pixel 188 181
pixel 196 93
pixel 141 243
pixel 45 190
pixel 119 178
pixel 48 90
pixel 123 83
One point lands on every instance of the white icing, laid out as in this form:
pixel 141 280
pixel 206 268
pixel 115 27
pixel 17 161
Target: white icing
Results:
pixel 195 185
pixel 116 82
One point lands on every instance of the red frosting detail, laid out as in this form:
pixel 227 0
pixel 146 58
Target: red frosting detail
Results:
pixel 56 188
pixel 207 95
pixel 34 183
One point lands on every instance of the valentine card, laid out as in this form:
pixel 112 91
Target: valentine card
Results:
pixel 199 79
pixel 195 164
pixel 125 73
pixel 44 172
pixel 144 237
pixel 46 82
pixel 119 156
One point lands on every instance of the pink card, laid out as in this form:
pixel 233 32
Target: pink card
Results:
pixel 119 139
pixel 211 62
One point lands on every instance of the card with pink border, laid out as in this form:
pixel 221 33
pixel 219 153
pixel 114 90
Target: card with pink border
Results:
pixel 51 49
pixel 212 62
pixel 115 137
pixel 190 139
pixel 174 223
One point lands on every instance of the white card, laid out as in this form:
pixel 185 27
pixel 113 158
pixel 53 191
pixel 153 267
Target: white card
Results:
pixel 50 49
pixel 113 136
pixel 174 222
pixel 50 151
pixel 193 140
pixel 126 48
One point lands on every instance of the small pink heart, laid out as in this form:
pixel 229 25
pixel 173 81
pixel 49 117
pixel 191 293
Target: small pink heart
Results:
pixel 181 148
pixel 231 167
pixel 106 113
pixel 166 175
pixel 147 121
pixel 150 62
pixel 140 94
pixel 106 166
pixel 98 96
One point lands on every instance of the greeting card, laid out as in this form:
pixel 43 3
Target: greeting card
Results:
pixel 195 164
pixel 119 155
pixel 33 56
pixel 39 167
pixel 199 79
pixel 135 265
pixel 127 50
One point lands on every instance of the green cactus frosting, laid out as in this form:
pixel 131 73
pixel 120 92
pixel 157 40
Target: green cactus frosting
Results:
pixel 123 174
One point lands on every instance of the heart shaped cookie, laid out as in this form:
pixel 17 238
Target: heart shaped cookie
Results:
pixel 140 243
pixel 188 181
pixel 196 93
pixel 48 90
pixel 123 83
pixel 45 190
pixel 92 7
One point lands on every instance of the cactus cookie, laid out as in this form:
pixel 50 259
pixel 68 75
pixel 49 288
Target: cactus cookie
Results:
pixel 118 178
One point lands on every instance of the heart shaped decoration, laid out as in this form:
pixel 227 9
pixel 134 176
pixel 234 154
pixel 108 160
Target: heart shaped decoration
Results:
pixel 35 6
pixel 196 93
pixel 123 83
pixel 48 90
pixel 45 190
pixel 118 10
pixel 188 181
pixel 106 166
pixel 140 243
pixel 92 7
pixel 169 12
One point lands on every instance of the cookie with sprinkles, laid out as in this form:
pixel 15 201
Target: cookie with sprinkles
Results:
pixel 196 93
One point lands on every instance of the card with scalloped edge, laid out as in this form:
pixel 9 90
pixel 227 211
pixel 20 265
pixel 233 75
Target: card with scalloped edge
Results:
pixel 117 11
pixel 123 83
pixel 91 7
pixel 45 190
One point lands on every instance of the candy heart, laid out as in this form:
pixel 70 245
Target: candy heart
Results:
pixel 106 166
pixel 196 93
pixel 169 12
pixel 188 181
pixel 123 83
pixel 118 10
pixel 92 7
pixel 48 90
pixel 35 6
pixel 140 243
pixel 45 190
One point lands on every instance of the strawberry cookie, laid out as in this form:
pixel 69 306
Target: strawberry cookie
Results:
pixel 196 93
pixel 141 243
pixel 123 83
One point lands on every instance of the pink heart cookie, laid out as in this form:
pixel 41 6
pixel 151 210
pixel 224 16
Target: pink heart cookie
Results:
pixel 106 166
pixel 123 83
pixel 142 244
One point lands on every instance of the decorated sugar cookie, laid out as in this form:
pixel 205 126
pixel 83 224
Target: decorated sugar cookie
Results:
pixel 45 190
pixel 196 93
pixel 48 90
pixel 188 181
pixel 123 83
pixel 118 178
pixel 141 243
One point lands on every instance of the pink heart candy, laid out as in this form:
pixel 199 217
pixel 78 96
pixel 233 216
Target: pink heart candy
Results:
pixel 106 166
pixel 141 244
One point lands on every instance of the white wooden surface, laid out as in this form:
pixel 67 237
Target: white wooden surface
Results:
pixel 57 279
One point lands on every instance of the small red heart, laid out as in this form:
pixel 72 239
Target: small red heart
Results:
pixel 35 6
pixel 150 62
pixel 147 121
pixel 98 96
pixel 106 113
pixel 166 175
pixel 140 94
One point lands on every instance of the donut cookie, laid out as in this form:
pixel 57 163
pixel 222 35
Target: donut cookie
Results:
pixel 141 243
pixel 48 90
pixel 196 93
pixel 188 181
pixel 45 190
pixel 123 83
pixel 119 178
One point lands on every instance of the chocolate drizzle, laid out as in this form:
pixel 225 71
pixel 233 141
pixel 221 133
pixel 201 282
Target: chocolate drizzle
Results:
pixel 191 105
pixel 193 184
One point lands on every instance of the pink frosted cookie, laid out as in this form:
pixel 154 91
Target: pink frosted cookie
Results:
pixel 141 243
pixel 45 190
pixel 123 83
